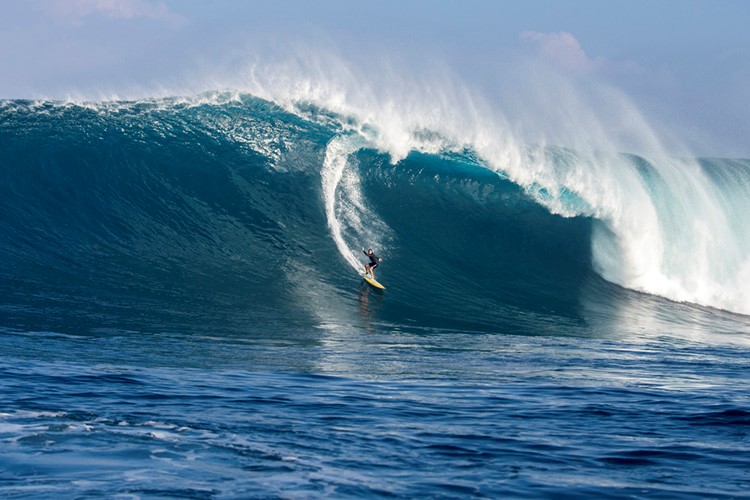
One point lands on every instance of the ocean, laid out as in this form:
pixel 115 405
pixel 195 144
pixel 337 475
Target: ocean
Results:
pixel 182 315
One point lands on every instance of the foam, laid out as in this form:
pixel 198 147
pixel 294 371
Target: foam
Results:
pixel 665 229
pixel 346 210
pixel 667 235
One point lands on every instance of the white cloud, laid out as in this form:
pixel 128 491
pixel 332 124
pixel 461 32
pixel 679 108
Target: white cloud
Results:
pixel 561 49
pixel 76 10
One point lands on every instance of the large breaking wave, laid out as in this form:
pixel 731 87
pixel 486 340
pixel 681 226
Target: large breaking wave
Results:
pixel 233 208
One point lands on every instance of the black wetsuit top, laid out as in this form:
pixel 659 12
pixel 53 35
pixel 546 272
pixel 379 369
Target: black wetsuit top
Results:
pixel 373 259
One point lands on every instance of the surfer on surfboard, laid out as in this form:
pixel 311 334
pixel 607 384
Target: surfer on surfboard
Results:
pixel 374 261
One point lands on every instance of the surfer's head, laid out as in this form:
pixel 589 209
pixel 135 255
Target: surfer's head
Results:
pixel 369 250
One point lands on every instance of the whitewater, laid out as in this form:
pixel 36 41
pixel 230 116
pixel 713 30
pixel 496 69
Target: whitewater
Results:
pixel 181 314
pixel 668 223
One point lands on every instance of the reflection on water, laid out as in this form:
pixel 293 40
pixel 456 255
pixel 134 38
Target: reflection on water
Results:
pixel 370 301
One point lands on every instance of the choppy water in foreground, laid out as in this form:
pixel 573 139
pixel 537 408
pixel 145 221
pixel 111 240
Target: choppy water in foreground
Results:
pixel 372 414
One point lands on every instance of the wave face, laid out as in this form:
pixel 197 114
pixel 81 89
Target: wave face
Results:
pixel 232 209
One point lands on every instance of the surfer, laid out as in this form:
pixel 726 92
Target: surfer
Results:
pixel 374 261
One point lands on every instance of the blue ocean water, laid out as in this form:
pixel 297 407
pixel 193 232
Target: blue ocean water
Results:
pixel 181 314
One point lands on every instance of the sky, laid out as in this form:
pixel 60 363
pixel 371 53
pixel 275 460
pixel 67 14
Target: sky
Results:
pixel 685 64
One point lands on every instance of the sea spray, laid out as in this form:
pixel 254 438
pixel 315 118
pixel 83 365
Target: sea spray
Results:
pixel 660 224
pixel 577 147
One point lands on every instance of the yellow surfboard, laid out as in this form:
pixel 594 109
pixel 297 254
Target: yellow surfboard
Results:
pixel 372 281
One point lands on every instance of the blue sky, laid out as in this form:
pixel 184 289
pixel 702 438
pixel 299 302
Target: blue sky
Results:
pixel 685 63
